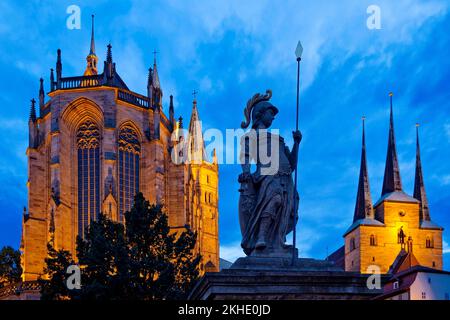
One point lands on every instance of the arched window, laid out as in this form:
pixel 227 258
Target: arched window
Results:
pixel 129 153
pixel 373 240
pixel 429 242
pixel 88 158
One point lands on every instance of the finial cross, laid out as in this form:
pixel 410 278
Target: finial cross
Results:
pixel 194 94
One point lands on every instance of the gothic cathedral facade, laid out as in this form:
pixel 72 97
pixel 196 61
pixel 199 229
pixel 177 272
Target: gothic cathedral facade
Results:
pixel 94 145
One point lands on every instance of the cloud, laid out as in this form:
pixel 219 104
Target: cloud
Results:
pixel 231 251
pixel 447 130
pixel 446 247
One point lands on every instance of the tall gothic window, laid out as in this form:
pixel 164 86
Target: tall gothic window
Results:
pixel 129 152
pixel 88 145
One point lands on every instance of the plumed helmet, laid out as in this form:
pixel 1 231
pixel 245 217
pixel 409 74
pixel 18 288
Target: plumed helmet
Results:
pixel 256 106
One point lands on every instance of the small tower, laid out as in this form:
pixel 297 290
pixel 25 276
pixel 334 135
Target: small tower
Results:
pixel 203 181
pixel 32 126
pixel 195 143
pixel 154 94
pixel 41 95
pixel 58 69
pixel 363 219
pixel 91 59
pixel 52 80
pixel 108 69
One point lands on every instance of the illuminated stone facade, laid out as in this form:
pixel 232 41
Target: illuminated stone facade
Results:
pixel 95 144
pixel 379 232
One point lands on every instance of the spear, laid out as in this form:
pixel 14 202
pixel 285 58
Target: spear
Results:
pixel 298 54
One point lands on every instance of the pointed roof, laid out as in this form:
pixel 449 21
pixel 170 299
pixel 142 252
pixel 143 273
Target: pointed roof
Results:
pixel 196 151
pixel 419 185
pixel 41 93
pixel 392 181
pixel 363 207
pixel 92 49
pixel 155 76
pixel 405 259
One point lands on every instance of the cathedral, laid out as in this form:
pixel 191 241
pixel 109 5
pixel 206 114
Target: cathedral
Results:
pixel 396 223
pixel 94 143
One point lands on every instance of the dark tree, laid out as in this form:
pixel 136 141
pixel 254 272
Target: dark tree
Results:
pixel 10 268
pixel 104 259
pixel 53 284
pixel 142 261
pixel 162 264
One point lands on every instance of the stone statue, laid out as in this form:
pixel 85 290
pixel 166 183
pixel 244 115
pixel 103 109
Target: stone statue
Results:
pixel 268 202
pixel 401 237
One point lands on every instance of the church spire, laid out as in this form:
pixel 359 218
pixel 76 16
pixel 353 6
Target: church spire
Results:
pixel 91 59
pixel 392 181
pixel 92 51
pixel 363 207
pixel 419 186
pixel 196 146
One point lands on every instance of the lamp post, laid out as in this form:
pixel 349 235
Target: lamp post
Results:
pixel 298 54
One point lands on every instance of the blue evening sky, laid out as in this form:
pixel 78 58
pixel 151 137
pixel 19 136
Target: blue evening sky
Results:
pixel 227 51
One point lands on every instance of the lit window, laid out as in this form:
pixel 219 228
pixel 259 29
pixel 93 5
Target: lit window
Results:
pixel 88 158
pixel 373 240
pixel 129 153
pixel 429 242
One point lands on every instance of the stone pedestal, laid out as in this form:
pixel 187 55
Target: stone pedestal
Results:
pixel 276 278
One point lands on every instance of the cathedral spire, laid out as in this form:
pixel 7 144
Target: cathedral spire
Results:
pixel 392 181
pixel 196 145
pixel 363 207
pixel 92 51
pixel 155 76
pixel 108 68
pixel 52 80
pixel 419 185
pixel 91 59
pixel 41 94
pixel 154 91
pixel 33 111
pixel 58 69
